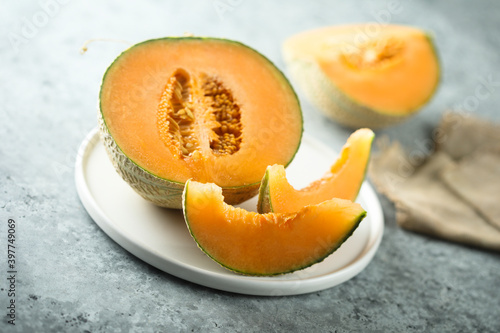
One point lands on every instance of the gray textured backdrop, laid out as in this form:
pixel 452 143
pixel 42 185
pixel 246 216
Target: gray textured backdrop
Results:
pixel 73 278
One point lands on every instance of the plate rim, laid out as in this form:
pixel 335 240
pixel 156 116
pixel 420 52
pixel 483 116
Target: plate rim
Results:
pixel 241 284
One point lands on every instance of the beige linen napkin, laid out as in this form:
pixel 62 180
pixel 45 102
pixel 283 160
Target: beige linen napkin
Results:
pixel 455 193
pixel 476 180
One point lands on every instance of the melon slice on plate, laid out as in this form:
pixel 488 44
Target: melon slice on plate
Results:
pixel 343 180
pixel 174 109
pixel 266 244
pixel 364 75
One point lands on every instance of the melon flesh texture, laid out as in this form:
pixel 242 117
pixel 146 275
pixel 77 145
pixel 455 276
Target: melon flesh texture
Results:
pixel 174 109
pixel 343 180
pixel 266 244
pixel 363 77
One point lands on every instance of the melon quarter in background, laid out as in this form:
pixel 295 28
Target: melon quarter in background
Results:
pixel 207 109
pixel 366 75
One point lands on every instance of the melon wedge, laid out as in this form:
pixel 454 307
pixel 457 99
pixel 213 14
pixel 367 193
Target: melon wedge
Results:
pixel 208 109
pixel 266 244
pixel 342 181
pixel 364 75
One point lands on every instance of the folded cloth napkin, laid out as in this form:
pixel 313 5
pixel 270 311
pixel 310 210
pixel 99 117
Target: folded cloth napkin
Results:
pixel 455 192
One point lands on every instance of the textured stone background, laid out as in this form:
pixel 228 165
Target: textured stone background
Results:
pixel 73 278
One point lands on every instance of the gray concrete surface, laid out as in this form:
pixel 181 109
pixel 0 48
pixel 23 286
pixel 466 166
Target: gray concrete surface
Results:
pixel 72 278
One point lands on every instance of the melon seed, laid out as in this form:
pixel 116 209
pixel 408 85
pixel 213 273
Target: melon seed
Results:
pixel 189 113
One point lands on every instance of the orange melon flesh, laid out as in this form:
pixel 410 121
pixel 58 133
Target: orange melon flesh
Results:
pixel 343 180
pixel 266 244
pixel 133 90
pixel 392 69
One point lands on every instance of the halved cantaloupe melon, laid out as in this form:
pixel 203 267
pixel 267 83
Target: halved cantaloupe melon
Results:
pixel 209 109
pixel 266 244
pixel 342 181
pixel 365 75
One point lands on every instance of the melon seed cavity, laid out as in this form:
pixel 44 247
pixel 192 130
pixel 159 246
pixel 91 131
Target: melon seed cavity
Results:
pixel 374 54
pixel 190 100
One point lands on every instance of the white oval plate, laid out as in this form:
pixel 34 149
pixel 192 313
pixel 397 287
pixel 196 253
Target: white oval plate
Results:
pixel 160 237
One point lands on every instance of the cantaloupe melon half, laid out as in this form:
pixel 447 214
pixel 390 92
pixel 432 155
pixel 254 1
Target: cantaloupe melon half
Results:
pixel 266 244
pixel 209 109
pixel 343 180
pixel 366 75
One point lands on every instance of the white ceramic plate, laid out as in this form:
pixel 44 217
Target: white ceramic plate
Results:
pixel 160 237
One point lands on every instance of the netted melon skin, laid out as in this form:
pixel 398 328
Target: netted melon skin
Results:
pixel 333 102
pixel 159 191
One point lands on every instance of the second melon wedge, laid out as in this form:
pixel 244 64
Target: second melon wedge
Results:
pixel 343 180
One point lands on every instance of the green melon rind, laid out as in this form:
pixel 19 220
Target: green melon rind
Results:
pixel 265 204
pixel 164 192
pixel 337 105
pixel 334 247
